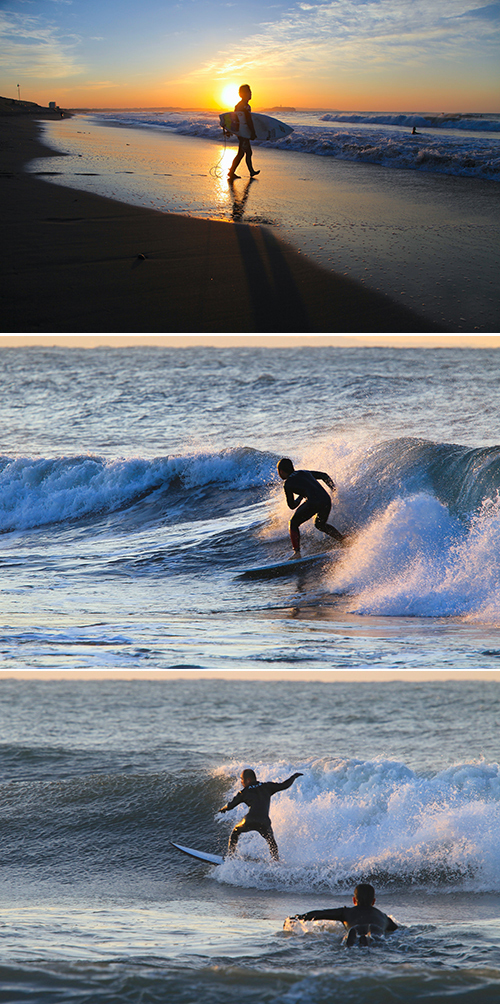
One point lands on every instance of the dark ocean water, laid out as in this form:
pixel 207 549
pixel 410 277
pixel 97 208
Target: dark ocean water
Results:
pixel 400 787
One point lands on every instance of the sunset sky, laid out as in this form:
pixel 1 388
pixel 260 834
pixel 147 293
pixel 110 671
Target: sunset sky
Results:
pixel 385 55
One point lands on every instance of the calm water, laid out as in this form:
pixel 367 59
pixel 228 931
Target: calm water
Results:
pixel 135 486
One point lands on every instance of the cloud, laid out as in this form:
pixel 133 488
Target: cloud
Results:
pixel 491 12
pixel 32 48
pixel 357 35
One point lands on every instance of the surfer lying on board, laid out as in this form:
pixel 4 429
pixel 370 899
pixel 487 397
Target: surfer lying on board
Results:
pixel 361 920
pixel 304 485
pixel 244 148
pixel 257 795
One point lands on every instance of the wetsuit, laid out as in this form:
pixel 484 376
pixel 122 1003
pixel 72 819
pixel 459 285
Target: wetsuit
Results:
pixel 318 503
pixel 258 797
pixel 244 147
pixel 361 922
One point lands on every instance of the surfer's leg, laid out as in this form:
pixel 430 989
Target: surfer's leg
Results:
pixel 303 513
pixel 248 159
pixel 267 833
pixel 237 160
pixel 235 836
pixel 321 524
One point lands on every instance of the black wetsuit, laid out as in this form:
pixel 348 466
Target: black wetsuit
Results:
pixel 258 797
pixel 318 503
pixel 361 922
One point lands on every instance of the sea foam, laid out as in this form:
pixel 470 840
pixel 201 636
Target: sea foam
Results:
pixel 350 820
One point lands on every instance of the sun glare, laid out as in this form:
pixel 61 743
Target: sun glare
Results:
pixel 230 96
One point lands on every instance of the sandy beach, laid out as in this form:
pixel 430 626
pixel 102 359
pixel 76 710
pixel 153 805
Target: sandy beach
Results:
pixel 78 262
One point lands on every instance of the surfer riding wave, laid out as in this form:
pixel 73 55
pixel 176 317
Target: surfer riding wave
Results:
pixel 257 795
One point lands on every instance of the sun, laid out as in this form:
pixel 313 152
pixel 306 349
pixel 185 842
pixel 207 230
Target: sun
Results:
pixel 230 96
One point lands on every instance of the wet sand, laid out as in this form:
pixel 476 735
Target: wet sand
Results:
pixel 76 262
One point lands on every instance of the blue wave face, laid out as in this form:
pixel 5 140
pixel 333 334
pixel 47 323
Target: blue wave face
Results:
pixel 37 492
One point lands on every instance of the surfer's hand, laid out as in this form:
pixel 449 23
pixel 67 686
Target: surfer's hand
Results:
pixel 253 136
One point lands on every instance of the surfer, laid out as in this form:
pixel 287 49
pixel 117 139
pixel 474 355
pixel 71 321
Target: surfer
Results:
pixel 361 920
pixel 257 795
pixel 244 148
pixel 304 485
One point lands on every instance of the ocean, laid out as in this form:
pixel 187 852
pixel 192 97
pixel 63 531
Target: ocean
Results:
pixel 136 484
pixel 412 216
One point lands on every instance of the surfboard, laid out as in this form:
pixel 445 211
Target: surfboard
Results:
pixel 266 127
pixel 292 566
pixel 212 859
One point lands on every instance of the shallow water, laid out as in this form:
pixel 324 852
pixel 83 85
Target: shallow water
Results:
pixel 428 241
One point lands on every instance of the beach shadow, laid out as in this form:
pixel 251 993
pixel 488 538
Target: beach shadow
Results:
pixel 240 200
pixel 275 299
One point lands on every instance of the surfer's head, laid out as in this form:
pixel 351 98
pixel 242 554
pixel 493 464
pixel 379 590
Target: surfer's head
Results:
pixel 285 468
pixel 364 895
pixel 245 91
pixel 248 777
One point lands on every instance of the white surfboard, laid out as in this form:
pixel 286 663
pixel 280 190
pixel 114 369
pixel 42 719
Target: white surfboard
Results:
pixel 266 127
pixel 292 566
pixel 212 859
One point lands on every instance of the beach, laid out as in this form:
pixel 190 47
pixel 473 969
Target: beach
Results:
pixel 79 262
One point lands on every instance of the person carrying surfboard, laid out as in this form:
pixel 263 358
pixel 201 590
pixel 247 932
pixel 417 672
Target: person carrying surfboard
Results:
pixel 244 148
pixel 304 485
pixel 361 920
pixel 257 795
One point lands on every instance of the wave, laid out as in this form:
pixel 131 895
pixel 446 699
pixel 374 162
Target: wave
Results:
pixel 461 155
pixel 37 492
pixel 377 821
pixel 470 122
pixel 345 821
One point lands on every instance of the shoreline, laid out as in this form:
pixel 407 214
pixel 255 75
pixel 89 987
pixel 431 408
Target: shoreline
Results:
pixel 83 263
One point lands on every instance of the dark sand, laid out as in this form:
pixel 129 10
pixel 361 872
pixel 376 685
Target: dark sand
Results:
pixel 79 263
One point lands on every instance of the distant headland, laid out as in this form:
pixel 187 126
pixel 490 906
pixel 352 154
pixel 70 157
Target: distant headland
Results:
pixel 280 108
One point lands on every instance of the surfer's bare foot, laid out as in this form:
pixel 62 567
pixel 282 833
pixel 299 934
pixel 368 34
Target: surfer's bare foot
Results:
pixel 231 176
pixel 253 173
pixel 296 554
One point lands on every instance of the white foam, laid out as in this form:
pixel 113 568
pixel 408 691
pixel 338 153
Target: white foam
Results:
pixel 415 559
pixel 350 820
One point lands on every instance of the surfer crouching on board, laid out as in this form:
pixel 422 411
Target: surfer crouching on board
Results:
pixel 257 795
pixel 361 920
pixel 304 485
pixel 244 148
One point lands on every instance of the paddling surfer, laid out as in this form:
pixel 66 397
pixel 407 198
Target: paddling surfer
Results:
pixel 257 795
pixel 361 920
pixel 301 485
pixel 244 148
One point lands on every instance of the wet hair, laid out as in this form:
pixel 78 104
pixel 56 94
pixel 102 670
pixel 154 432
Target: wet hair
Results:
pixel 248 775
pixel 244 87
pixel 365 894
pixel 285 465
